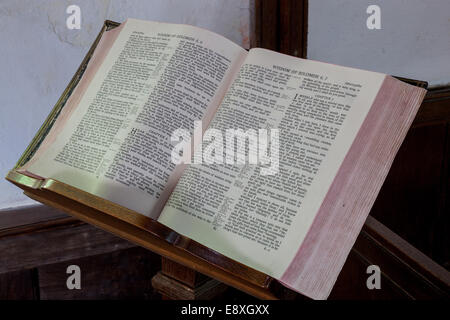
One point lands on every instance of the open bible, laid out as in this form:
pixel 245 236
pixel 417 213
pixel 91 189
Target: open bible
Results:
pixel 253 162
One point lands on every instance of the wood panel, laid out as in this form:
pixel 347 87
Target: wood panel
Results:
pixel 406 272
pixel 56 243
pixel 409 201
pixel 269 24
pixel 281 25
pixel 179 272
pixel 435 108
pixel 444 228
pixel 351 283
pixel 123 274
pixel 173 289
pixel 27 215
pixel 18 285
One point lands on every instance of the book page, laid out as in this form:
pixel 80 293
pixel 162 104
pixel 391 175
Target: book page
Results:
pixel 156 78
pixel 259 214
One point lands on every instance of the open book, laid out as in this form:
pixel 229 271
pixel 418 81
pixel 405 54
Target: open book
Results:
pixel 267 159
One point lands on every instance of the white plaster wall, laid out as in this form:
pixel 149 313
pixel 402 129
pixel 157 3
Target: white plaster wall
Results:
pixel 414 40
pixel 39 55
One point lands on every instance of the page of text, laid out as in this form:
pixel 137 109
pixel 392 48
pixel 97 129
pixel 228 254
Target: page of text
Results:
pixel 156 78
pixel 258 214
